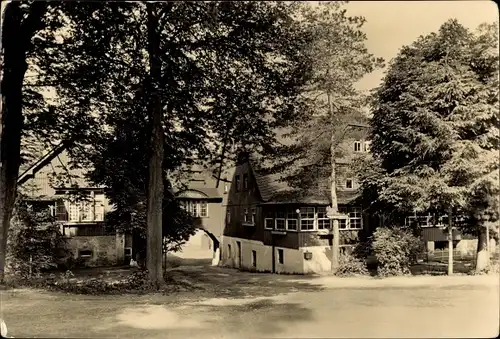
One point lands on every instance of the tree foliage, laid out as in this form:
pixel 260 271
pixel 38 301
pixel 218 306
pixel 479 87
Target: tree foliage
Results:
pixel 435 122
pixel 35 241
pixel 436 128
pixel 229 74
pixel 395 250
pixel 338 59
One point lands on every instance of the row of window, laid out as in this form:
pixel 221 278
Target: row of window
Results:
pixel 431 221
pixel 360 146
pixel 308 219
pixel 311 218
pixel 197 208
pixel 86 211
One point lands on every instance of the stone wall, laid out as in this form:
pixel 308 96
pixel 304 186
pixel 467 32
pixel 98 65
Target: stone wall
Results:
pixel 97 250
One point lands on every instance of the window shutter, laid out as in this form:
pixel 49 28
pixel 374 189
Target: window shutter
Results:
pixel 61 212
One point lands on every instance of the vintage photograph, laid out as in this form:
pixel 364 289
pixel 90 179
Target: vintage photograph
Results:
pixel 249 169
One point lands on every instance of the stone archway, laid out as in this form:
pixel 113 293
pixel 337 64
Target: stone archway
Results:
pixel 215 248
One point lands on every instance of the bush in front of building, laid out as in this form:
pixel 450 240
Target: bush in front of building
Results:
pixel 35 242
pixel 350 265
pixel 395 249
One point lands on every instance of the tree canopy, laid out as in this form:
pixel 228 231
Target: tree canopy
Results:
pixel 436 127
pixel 229 74
pixel 435 120
pixel 339 59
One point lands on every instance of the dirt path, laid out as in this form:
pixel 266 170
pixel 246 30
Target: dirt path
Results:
pixel 231 304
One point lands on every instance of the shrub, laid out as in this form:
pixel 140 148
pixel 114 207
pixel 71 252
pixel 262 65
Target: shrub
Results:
pixel 395 250
pixel 350 265
pixel 35 242
pixel 362 249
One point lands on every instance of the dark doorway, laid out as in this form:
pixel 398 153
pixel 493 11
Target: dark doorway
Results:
pixel 238 259
pixel 274 255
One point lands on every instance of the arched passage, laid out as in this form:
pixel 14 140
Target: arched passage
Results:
pixel 216 246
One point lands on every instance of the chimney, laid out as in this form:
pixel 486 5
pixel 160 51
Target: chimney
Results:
pixel 242 157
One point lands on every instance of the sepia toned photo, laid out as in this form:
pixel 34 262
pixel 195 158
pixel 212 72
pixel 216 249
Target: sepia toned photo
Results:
pixel 249 169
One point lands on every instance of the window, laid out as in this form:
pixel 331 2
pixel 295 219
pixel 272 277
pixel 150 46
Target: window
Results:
pixel 280 224
pixel 226 188
pixel 307 218
pixel 367 146
pixel 203 209
pixel 228 217
pixel 349 183
pixel 228 250
pixel 196 208
pixel 357 146
pixel 269 223
pixel 85 253
pixel 128 251
pixel 73 212
pixel 355 218
pixel 246 217
pixel 281 256
pixel 237 183
pixel 323 220
pixel 99 211
pixel 280 221
pixel 254 258
pixel 342 224
pixel 86 211
pixel 291 221
pixel 268 220
pixel 245 181
pixel 254 214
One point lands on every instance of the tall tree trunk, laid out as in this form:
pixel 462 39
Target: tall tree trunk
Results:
pixel 16 39
pixel 483 256
pixel 155 182
pixel 223 151
pixel 333 195
pixel 223 154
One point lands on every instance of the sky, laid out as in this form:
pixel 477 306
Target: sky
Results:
pixel 393 24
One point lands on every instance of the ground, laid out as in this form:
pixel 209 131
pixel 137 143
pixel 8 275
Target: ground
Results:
pixel 225 303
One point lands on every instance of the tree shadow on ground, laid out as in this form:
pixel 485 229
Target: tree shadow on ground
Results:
pixel 261 318
pixel 229 283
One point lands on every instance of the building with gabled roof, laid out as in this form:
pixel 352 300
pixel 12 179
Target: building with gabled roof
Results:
pixel 271 226
pixel 53 182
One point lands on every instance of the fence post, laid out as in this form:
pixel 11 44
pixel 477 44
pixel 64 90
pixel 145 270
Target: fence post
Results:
pixel 450 242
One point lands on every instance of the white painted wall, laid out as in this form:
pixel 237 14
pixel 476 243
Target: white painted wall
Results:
pixel 320 261
pixel 264 254
pixel 293 260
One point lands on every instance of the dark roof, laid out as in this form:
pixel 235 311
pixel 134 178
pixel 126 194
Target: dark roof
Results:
pixel 274 190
